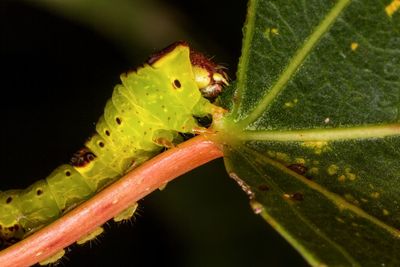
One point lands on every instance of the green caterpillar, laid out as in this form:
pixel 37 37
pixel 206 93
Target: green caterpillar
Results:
pixel 145 114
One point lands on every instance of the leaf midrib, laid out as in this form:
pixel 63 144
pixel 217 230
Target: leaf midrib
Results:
pixel 323 134
pixel 291 68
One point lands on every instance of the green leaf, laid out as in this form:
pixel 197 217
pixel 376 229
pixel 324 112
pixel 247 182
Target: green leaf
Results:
pixel 313 136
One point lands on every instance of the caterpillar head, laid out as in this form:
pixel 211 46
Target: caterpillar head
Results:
pixel 210 77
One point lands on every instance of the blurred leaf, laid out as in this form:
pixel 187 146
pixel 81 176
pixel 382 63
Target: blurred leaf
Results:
pixel 147 23
pixel 314 132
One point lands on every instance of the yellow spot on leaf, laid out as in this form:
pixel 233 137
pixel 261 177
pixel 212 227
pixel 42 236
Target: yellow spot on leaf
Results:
pixel 375 194
pixel 385 212
pixel 340 220
pixel 342 178
pixel 317 146
pixel 371 186
pixel 332 170
pixel 282 157
pixel 314 170
pixel 300 160
pixel 291 104
pixel 270 32
pixel 392 7
pixel 354 46
pixel 349 175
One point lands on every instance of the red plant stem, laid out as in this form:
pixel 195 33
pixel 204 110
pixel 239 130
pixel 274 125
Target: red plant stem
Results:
pixel 111 201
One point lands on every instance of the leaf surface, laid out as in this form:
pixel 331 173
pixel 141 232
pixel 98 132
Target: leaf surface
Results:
pixel 314 131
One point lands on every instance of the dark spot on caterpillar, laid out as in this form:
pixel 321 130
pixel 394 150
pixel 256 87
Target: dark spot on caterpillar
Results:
pixel 263 187
pixel 81 158
pixel 107 133
pixel 118 120
pixel 8 200
pixel 39 192
pixel 298 168
pixel 16 227
pixel 67 173
pixel 101 144
pixel 177 84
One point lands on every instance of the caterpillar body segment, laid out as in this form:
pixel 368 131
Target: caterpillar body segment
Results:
pixel 148 111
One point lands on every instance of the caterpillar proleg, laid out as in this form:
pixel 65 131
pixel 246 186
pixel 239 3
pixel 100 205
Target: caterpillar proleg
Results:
pixel 147 112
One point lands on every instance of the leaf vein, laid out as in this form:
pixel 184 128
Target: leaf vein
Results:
pixel 295 63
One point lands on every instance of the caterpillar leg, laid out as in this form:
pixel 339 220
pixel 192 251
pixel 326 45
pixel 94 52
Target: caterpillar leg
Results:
pixel 126 214
pixel 54 258
pixel 161 188
pixel 90 236
pixel 164 142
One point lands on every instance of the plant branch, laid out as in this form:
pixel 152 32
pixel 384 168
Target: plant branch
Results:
pixel 111 201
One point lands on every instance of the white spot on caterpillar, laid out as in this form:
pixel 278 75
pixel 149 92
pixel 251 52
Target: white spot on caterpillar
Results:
pixel 327 120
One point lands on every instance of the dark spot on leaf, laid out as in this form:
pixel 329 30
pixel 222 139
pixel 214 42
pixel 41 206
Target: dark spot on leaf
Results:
pixel 297 196
pixel 263 187
pixel 298 168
